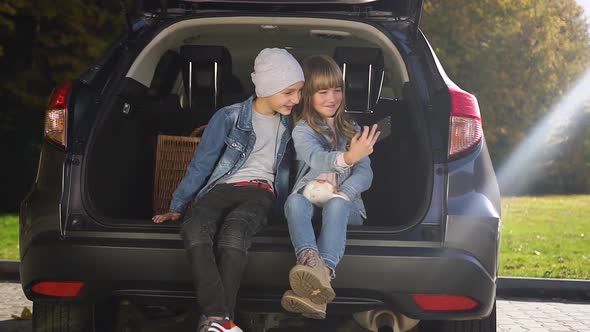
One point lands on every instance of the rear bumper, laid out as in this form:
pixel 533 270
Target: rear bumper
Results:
pixel 368 277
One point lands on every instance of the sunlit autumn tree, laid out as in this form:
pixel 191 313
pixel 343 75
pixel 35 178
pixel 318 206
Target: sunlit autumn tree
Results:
pixel 517 56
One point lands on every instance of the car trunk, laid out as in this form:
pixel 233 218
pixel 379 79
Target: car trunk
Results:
pixel 197 65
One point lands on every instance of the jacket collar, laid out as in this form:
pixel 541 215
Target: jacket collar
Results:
pixel 324 138
pixel 245 117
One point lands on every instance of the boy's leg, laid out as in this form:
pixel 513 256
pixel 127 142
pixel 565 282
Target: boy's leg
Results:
pixel 198 232
pixel 337 213
pixel 235 236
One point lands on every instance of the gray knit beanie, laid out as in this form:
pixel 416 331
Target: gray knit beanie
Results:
pixel 274 70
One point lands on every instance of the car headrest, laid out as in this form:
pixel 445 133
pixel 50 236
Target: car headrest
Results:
pixel 362 68
pixel 167 70
pixel 207 67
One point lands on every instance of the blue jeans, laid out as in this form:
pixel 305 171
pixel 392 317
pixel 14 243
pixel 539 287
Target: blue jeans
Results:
pixel 336 214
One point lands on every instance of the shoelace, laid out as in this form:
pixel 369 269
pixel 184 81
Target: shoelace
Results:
pixel 309 258
pixel 217 327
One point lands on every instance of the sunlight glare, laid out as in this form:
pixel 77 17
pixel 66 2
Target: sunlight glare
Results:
pixel 524 163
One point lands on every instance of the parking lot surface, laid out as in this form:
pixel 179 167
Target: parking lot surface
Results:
pixel 513 314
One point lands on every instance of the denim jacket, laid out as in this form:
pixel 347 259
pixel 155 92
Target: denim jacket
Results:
pixel 226 144
pixel 315 155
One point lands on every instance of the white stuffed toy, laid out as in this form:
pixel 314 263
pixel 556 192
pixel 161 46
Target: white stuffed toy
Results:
pixel 319 192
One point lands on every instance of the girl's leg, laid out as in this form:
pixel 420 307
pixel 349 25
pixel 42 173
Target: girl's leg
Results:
pixel 299 212
pixel 308 278
pixel 336 215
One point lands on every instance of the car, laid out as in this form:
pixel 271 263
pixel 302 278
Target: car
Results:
pixel 92 259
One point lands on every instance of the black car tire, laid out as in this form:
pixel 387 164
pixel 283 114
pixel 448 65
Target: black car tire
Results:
pixel 62 317
pixel 487 324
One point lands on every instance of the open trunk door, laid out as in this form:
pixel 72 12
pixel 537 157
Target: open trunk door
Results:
pixel 401 9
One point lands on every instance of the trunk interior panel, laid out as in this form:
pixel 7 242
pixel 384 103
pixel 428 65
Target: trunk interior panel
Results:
pixel 120 161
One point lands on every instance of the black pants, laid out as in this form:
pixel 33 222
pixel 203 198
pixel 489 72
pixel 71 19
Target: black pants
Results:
pixel 217 231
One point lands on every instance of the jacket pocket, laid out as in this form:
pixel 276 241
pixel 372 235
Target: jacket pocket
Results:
pixel 233 152
pixel 234 144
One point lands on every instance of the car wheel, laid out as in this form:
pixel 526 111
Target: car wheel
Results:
pixel 487 324
pixel 62 317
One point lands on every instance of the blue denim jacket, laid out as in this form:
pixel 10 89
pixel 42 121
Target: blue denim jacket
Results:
pixel 226 144
pixel 315 155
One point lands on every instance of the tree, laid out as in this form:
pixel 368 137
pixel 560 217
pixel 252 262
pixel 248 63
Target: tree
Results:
pixel 517 56
pixel 568 171
pixel 42 44
pixel 61 39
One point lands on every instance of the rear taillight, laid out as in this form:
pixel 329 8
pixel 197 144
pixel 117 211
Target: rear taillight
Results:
pixel 58 288
pixel 56 115
pixel 466 131
pixel 429 302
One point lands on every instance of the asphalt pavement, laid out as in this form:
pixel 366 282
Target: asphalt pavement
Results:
pixel 514 313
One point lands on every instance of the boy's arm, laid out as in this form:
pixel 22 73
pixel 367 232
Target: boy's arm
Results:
pixel 359 180
pixel 310 150
pixel 204 161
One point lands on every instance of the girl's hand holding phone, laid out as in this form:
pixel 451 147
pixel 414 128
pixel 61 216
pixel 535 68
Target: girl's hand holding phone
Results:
pixel 361 144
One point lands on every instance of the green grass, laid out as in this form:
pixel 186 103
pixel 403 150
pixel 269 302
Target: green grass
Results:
pixel 547 236
pixel 9 237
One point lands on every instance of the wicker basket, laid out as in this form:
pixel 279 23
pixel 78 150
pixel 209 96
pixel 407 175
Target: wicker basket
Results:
pixel 173 155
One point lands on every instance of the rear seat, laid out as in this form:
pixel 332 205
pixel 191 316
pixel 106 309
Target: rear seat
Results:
pixel 166 74
pixel 362 68
pixel 208 80
pixel 363 72
pixel 207 85
pixel 163 103
pixel 158 107
pixel 141 113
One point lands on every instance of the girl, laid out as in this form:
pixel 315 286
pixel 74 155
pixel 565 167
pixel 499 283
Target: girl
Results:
pixel 332 153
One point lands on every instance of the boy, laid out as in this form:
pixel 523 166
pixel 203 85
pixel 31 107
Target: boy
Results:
pixel 239 171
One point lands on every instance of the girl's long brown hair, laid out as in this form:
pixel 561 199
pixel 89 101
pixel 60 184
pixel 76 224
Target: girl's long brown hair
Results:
pixel 322 72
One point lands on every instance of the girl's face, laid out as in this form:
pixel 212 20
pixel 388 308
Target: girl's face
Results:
pixel 327 101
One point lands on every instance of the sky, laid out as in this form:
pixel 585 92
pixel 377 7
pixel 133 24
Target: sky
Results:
pixel 586 5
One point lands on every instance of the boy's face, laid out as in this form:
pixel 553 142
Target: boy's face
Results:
pixel 283 102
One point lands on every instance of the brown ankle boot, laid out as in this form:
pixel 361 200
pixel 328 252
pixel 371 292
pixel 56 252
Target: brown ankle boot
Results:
pixel 294 303
pixel 309 279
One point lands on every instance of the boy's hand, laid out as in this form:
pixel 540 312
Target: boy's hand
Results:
pixel 160 218
pixel 361 144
